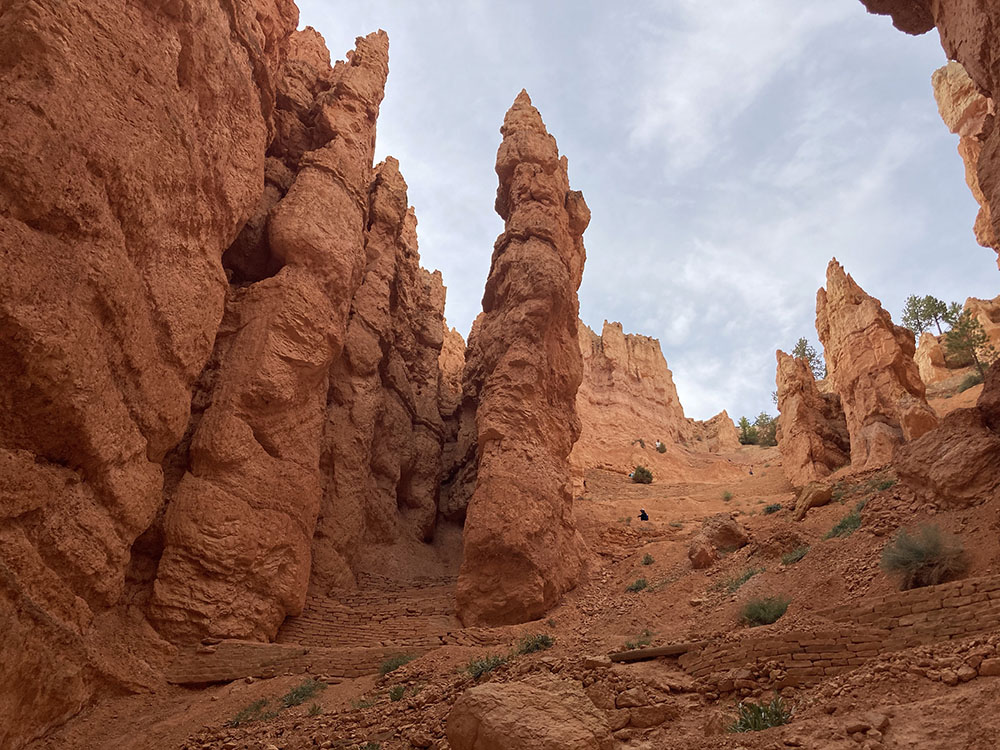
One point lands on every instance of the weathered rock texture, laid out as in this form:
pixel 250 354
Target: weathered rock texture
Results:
pixel 930 359
pixel 814 438
pixel 970 35
pixel 540 713
pixel 718 533
pixel 239 526
pixel 959 462
pixel 870 363
pixel 987 312
pixel 132 142
pixel 523 368
pixel 628 393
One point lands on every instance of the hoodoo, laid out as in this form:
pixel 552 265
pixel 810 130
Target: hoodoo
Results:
pixel 523 363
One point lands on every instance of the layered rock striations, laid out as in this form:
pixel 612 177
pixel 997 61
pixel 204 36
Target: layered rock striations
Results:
pixel 523 368
pixel 870 364
pixel 814 437
pixel 966 91
pixel 628 393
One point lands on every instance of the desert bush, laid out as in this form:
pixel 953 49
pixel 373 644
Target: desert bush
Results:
pixel 764 611
pixel 924 558
pixel 532 643
pixel 363 703
pixel 394 662
pixel 647 559
pixel 301 693
pixel 727 496
pixel 969 381
pixel 485 664
pixel 661 448
pixel 641 641
pixel 753 717
pixel 315 709
pixel 848 524
pixel 637 585
pixel 790 558
pixel 396 692
pixel 731 585
pixel 773 508
pixel 256 711
pixel 642 475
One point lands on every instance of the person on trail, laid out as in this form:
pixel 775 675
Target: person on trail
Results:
pixel 643 515
pixel 751 471
pixel 631 474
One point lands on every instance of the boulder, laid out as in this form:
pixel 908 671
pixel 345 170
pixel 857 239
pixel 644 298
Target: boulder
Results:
pixel 870 362
pixel 521 549
pixel 813 495
pixel 719 533
pixel 537 714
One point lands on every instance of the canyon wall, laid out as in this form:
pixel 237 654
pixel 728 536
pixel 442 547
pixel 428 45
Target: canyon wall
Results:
pixel 814 437
pixel 523 368
pixel 970 35
pixel 870 364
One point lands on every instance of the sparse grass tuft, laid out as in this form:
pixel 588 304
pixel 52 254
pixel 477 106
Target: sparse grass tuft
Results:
pixel 790 558
pixel 839 491
pixel 764 611
pixel 753 717
pixel 301 693
pixel 773 508
pixel 849 523
pixel 637 585
pixel 256 711
pixel 924 558
pixel 364 703
pixel 677 524
pixel 315 709
pixel 642 475
pixel 485 664
pixel 550 622
pixel 733 584
pixel 532 643
pixel 395 662
pixel 647 559
pixel 370 746
pixel 970 381
pixel 396 692
pixel 727 496
pixel 641 641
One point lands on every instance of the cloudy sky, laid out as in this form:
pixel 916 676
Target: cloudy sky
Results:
pixel 726 153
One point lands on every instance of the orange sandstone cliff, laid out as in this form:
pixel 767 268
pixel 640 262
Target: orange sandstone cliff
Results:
pixel 521 547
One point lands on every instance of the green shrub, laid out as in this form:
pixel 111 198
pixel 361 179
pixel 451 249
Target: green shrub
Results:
pixel 764 611
pixel 969 381
pixel 885 484
pixel 732 584
pixel 484 665
pixel 790 558
pixel 254 712
pixel 848 524
pixel 647 559
pixel 395 662
pixel 753 717
pixel 727 496
pixel 637 585
pixel 315 709
pixel 925 558
pixel 532 643
pixel 773 508
pixel 641 641
pixel 396 692
pixel 363 703
pixel 301 693
pixel 642 475
pixel 661 448
pixel 677 524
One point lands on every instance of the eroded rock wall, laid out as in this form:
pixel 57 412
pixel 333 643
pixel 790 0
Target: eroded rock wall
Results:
pixel 870 363
pixel 523 368
pixel 814 438
pixel 132 141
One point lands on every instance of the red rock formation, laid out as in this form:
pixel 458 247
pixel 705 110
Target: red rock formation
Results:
pixel 870 363
pixel 959 462
pixel 814 439
pixel 132 150
pixel 930 360
pixel 383 433
pixel 987 312
pixel 970 35
pixel 715 435
pixel 238 529
pixel 521 547
pixel 458 452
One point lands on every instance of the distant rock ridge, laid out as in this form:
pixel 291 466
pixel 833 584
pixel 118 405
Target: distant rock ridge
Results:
pixel 523 367
pixel 870 363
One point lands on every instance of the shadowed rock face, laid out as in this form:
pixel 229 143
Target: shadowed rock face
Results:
pixel 814 439
pixel 523 368
pixel 132 141
pixel 871 366
pixel 970 35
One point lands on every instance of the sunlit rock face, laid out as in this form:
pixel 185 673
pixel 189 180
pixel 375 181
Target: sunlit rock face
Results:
pixel 523 368
pixel 870 363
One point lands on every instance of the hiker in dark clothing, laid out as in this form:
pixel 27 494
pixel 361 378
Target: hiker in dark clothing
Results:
pixel 643 515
